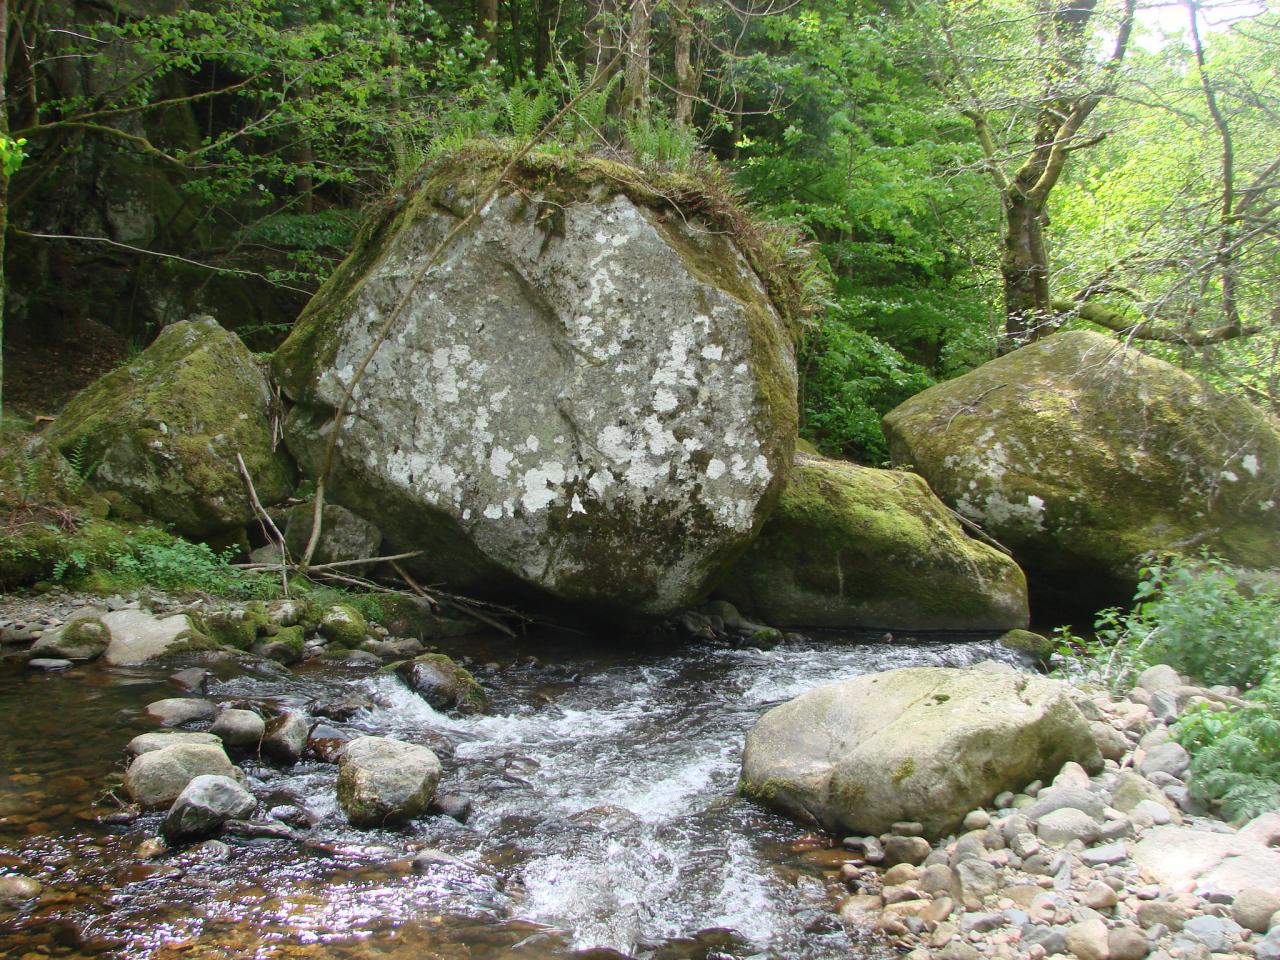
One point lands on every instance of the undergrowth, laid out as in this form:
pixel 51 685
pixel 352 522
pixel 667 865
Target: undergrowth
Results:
pixel 1196 616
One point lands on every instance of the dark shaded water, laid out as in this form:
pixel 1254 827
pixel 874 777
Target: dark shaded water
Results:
pixel 605 817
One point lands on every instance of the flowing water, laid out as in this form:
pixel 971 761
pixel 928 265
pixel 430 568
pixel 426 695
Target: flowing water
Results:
pixel 605 820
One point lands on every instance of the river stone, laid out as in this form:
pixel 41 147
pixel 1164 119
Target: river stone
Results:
pixel 1065 824
pixel 165 429
pixel 155 778
pixel 1254 907
pixel 83 639
pixel 592 397
pixel 239 728
pixel 159 739
pixel 1089 939
pixel 203 806
pixel 383 781
pixel 850 546
pixel 285 737
pixel 1082 455
pixel 15 888
pixel 137 636
pixel 1132 790
pixel 1171 758
pixel 344 536
pixel 1184 858
pixel 175 711
pixel 442 683
pixel 922 743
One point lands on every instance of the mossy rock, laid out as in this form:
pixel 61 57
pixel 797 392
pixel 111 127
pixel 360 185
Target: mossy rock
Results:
pixel 84 639
pixel 442 683
pixel 1034 645
pixel 344 625
pixel 643 437
pixel 164 431
pixel 1084 456
pixel 240 627
pixel 856 547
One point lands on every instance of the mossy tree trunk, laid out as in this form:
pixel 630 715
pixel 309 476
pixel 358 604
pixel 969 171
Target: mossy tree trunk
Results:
pixel 635 87
pixel 4 178
pixel 1024 268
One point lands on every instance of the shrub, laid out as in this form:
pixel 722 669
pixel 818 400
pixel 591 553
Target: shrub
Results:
pixel 1235 754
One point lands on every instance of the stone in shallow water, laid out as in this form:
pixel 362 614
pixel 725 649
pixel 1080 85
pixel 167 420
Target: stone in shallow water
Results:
pixel 203 806
pixel 155 778
pixel 382 781
pixel 238 728
pixel 146 742
pixel 175 711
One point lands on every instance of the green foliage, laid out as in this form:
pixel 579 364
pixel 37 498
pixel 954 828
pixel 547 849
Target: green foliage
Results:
pixel 11 154
pixel 851 380
pixel 153 558
pixel 1235 754
pixel 659 141
pixel 1190 614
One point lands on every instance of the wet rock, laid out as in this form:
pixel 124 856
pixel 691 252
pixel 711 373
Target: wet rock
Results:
pixel 285 737
pixel 259 830
pixel 242 729
pixel 948 739
pixel 342 710
pixel 383 781
pixel 82 639
pixel 443 684
pixel 48 664
pixel 191 680
pixel 203 806
pixel 15 889
pixel 176 711
pixel 451 805
pixel 156 777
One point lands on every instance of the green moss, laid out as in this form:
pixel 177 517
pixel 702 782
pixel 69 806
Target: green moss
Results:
pixel 240 628
pixel 193 641
pixel 904 769
pixel 1035 645
pixel 767 792
pixel 344 625
pixel 165 429
pixel 852 546
pixel 295 638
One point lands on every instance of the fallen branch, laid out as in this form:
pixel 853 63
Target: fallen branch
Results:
pixel 978 532
pixel 265 519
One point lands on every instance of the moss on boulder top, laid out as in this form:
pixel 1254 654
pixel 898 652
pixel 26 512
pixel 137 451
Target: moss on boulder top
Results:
pixel 591 400
pixel 852 546
pixel 164 430
pixel 1082 455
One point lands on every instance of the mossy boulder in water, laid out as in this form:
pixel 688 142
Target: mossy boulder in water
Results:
pixel 924 744
pixel 851 546
pixel 1082 455
pixel 163 431
pixel 592 397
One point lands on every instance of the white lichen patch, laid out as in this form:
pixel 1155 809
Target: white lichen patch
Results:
pixel 539 382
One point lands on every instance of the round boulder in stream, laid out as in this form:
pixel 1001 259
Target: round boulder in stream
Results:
pixel 204 805
pixel 591 399
pixel 383 781
pixel 442 683
pixel 922 744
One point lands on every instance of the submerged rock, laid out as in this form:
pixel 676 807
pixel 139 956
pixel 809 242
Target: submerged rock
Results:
pixel 927 744
pixel 593 397
pixel 1081 455
pixel 851 546
pixel 442 683
pixel 164 430
pixel 383 781
pixel 203 806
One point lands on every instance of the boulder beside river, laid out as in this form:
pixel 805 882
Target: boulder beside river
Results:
pixel 1082 455
pixel 923 744
pixel 855 547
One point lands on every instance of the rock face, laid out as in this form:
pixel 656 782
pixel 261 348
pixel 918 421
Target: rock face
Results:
pixel 1080 455
pixel 165 429
pixel 591 397
pixel 383 781
pixel 850 546
pixel 924 744
pixel 343 535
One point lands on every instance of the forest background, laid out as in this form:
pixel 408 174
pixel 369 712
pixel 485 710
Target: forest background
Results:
pixel 968 175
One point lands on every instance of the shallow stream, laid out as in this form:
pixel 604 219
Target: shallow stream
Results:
pixel 605 819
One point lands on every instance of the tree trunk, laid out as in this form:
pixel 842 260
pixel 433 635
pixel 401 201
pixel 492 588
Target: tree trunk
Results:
pixel 487 26
pixel 517 57
pixel 1024 269
pixel 686 77
pixel 635 86
pixel 542 41
pixel 595 37
pixel 4 179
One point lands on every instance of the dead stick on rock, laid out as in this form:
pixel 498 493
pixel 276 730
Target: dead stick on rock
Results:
pixel 270 524
pixel 415 281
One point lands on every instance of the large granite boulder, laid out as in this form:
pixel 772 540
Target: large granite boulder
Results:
pixel 592 396
pixel 850 546
pixel 925 744
pixel 1081 455
pixel 163 431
